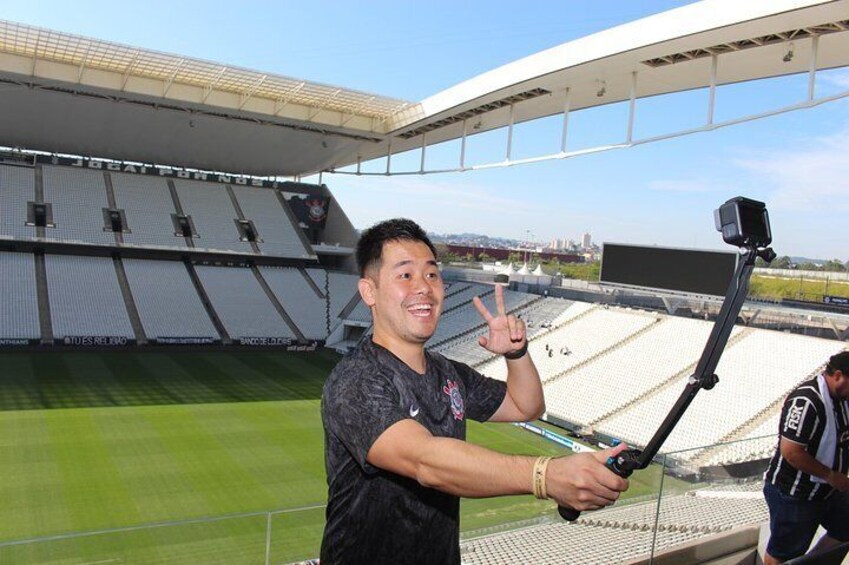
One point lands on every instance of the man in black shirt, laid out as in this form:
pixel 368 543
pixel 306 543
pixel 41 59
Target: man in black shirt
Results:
pixel 395 414
pixel 805 485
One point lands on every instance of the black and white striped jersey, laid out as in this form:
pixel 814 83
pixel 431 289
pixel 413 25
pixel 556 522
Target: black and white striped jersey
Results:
pixel 803 421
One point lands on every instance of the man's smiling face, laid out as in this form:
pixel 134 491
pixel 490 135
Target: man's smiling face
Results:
pixel 405 293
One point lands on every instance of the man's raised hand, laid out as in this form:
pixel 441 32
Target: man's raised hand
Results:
pixel 506 332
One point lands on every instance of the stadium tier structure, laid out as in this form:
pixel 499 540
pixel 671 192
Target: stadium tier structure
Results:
pixel 121 250
pixel 98 254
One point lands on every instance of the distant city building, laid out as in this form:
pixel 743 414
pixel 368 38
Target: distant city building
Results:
pixel 587 241
pixel 504 254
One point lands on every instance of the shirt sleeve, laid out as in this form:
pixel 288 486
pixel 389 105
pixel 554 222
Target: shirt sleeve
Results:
pixel 358 407
pixel 483 395
pixel 799 420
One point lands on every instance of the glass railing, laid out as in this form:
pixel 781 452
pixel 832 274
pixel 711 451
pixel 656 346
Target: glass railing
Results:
pixel 712 491
pixel 280 536
pixel 686 497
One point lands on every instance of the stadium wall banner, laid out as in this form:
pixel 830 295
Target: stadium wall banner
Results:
pixel 556 438
pixel 264 341
pixel 312 346
pixel 311 211
pixel 835 300
pixel 168 172
pixel 16 341
pixel 96 340
pixel 186 340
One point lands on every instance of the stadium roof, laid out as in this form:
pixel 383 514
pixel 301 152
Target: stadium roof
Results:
pixel 71 94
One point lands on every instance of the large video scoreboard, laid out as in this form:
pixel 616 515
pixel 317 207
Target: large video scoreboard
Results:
pixel 667 268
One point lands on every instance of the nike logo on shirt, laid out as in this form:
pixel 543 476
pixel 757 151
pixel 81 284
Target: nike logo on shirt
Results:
pixel 414 411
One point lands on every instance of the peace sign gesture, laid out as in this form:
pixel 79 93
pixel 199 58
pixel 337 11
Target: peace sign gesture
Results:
pixel 506 333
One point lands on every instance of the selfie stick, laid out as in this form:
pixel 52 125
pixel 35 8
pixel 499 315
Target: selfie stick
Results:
pixel 630 460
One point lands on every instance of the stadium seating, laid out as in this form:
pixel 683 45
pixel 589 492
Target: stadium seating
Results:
pixel 623 533
pixel 464 346
pixel 579 340
pixel 18 302
pixel 85 299
pixel 148 207
pixel 166 299
pixel 758 442
pixel 17 187
pixel 279 236
pixel 213 215
pixel 78 197
pixel 299 299
pixel 463 296
pixel 627 372
pixel 754 373
pixel 241 303
pixel 460 316
pixel 543 314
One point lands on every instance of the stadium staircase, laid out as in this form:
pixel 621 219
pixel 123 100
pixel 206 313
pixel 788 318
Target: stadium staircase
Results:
pixel 190 242
pixel 349 307
pixel 311 283
pixel 44 320
pixel 39 199
pixel 276 303
pixel 119 236
pixel 129 302
pixel 671 381
pixel 241 215
pixel 207 304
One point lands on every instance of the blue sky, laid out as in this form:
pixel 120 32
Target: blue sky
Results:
pixel 661 193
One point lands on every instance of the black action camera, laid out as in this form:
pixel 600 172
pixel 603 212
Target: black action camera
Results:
pixel 743 222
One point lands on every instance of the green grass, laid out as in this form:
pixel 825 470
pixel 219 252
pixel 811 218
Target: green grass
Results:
pixel 796 288
pixel 99 441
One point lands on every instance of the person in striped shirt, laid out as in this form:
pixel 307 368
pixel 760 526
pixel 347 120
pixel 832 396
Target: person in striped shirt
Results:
pixel 806 483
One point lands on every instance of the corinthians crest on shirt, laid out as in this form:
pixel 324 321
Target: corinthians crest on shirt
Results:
pixel 453 392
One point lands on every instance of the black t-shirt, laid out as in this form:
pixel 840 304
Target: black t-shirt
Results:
pixel 803 421
pixel 374 516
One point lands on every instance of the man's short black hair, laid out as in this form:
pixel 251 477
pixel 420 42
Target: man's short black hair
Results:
pixel 370 245
pixel 839 362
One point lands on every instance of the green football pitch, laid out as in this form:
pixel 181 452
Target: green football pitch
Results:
pixel 184 457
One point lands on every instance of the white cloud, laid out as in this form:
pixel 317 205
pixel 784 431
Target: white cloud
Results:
pixel 813 175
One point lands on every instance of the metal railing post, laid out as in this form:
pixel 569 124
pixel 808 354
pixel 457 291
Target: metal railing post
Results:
pixel 268 539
